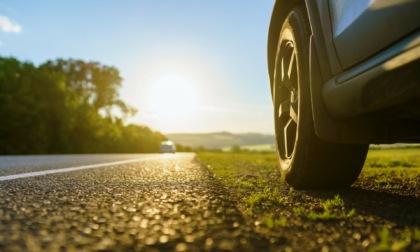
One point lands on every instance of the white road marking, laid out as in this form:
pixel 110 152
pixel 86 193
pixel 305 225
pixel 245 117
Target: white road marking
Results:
pixel 77 168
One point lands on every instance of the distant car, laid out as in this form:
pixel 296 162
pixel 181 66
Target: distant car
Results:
pixel 167 147
pixel 343 75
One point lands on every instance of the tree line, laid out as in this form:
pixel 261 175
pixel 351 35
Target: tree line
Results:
pixel 67 106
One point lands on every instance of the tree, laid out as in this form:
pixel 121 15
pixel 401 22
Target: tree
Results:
pixel 92 83
pixel 235 149
pixel 59 108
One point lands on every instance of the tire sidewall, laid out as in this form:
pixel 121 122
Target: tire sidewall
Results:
pixel 294 29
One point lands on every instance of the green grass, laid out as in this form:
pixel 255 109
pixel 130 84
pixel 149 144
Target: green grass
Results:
pixel 389 243
pixel 268 196
pixel 393 158
pixel 252 173
pixel 235 166
pixel 391 178
pixel 390 168
pixel 273 222
pixel 332 209
pixel 254 148
pixel 271 206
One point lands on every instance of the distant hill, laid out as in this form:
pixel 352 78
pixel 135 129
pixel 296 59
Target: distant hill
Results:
pixel 220 139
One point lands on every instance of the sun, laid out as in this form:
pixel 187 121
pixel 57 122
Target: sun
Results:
pixel 172 96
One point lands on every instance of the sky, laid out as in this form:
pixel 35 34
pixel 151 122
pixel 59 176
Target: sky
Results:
pixel 187 65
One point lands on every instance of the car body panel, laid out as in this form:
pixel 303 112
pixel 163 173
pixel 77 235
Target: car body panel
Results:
pixel 362 28
pixel 326 67
pixel 350 93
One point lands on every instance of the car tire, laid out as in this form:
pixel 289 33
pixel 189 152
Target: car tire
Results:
pixel 306 162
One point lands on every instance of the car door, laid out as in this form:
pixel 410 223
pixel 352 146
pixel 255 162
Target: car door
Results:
pixel 362 28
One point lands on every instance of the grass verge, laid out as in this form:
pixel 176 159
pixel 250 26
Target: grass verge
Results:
pixel 386 194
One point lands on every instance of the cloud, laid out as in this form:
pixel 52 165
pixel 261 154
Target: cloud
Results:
pixel 8 25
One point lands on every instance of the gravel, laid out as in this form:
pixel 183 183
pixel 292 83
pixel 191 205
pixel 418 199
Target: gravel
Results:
pixel 177 204
pixel 173 205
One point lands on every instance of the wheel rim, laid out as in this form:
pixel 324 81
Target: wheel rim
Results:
pixel 286 100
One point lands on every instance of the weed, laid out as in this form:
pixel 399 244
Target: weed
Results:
pixel 411 235
pixel 270 197
pixel 291 192
pixel 381 184
pixel 240 184
pixel 272 222
pixel 329 204
pixel 332 209
pixel 261 182
pixel 388 243
pixel 298 211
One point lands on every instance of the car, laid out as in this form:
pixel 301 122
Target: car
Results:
pixel 343 75
pixel 167 147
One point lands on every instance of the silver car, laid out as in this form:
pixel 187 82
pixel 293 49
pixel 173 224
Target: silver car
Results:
pixel 343 74
pixel 167 147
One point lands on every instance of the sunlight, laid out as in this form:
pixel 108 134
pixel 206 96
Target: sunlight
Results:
pixel 172 96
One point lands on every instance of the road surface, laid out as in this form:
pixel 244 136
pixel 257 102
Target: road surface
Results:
pixel 118 202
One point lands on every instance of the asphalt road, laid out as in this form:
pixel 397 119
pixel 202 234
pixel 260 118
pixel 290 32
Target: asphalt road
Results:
pixel 119 202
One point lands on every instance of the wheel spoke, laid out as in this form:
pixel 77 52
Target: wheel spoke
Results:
pixel 287 66
pixel 289 137
pixel 285 80
pixel 284 108
pixel 287 83
pixel 291 64
pixel 293 114
pixel 285 96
